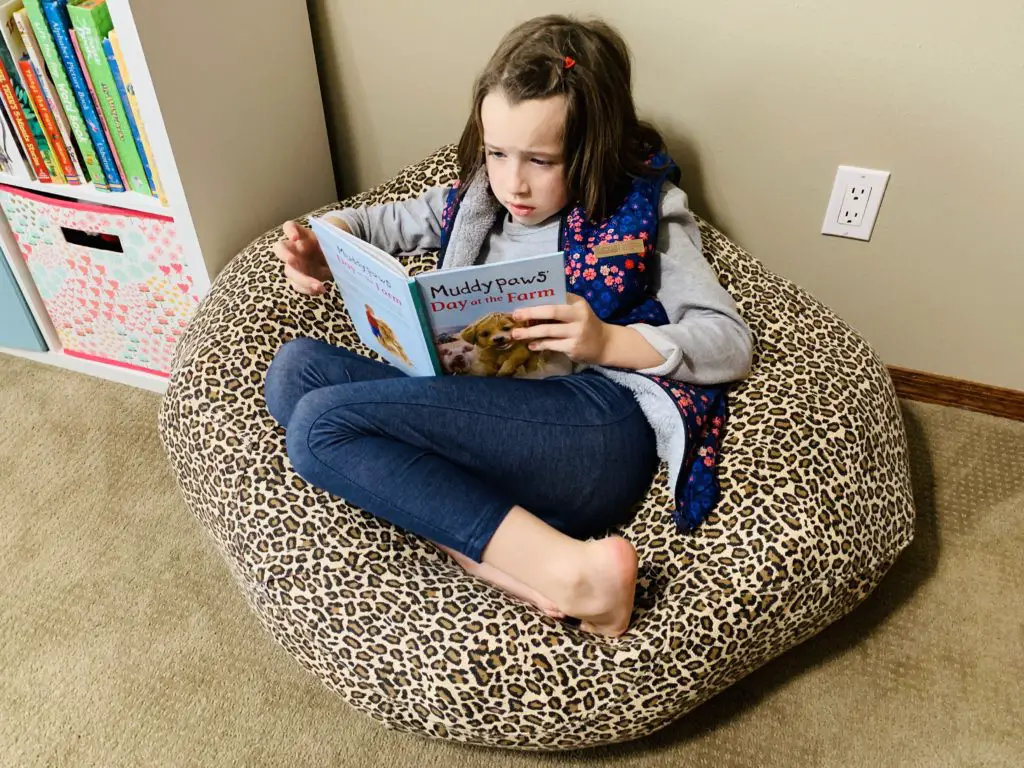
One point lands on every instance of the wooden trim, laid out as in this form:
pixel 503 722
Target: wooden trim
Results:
pixel 943 390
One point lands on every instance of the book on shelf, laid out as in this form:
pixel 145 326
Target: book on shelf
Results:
pixel 43 39
pixel 12 161
pixel 16 116
pixel 91 21
pixel 69 110
pixel 454 321
pixel 133 103
pixel 56 14
pixel 20 110
pixel 127 95
pixel 59 161
pixel 54 120
pixel 46 119
pixel 96 102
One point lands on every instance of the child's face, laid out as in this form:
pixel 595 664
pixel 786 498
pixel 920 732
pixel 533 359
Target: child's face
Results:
pixel 525 162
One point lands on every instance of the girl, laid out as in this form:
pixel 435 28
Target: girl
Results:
pixel 511 476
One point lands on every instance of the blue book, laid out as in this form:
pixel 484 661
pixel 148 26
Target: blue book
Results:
pixel 115 70
pixel 454 321
pixel 56 13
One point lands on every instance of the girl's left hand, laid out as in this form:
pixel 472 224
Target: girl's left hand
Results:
pixel 573 329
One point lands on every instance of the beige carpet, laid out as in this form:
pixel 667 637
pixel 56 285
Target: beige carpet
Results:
pixel 124 642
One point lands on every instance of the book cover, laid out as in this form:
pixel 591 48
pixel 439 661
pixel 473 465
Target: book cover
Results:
pixel 115 70
pixel 470 315
pixel 60 135
pixel 56 15
pixel 46 119
pixel 42 41
pixel 456 321
pixel 12 162
pixel 91 20
pixel 133 104
pixel 20 110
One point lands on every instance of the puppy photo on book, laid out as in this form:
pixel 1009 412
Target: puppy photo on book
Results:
pixel 498 354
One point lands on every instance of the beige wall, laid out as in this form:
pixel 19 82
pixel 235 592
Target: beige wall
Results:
pixel 760 100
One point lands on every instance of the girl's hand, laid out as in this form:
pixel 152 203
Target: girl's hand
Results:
pixel 575 331
pixel 304 262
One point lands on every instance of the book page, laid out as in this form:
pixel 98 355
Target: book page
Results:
pixel 470 313
pixel 383 258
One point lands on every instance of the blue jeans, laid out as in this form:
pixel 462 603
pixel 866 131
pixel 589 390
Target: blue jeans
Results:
pixel 447 457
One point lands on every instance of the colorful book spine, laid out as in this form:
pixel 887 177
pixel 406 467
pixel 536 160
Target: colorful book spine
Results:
pixel 12 162
pixel 14 113
pixel 91 20
pixel 65 93
pixel 57 19
pixel 23 116
pixel 61 142
pixel 133 125
pixel 92 95
pixel 35 93
pixel 124 79
pixel 14 45
pixel 46 120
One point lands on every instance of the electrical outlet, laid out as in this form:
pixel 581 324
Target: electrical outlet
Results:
pixel 856 196
pixel 855 203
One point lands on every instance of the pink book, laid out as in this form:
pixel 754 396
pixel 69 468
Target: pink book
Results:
pixel 99 113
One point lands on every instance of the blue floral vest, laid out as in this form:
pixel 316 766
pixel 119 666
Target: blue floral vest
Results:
pixel 617 288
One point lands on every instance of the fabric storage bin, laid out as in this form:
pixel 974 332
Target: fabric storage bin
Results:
pixel 18 328
pixel 113 281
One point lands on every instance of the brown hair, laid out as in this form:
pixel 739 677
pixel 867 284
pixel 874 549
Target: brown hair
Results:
pixel 605 144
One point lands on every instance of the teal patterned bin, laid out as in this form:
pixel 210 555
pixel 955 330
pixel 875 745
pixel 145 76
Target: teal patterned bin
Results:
pixel 114 281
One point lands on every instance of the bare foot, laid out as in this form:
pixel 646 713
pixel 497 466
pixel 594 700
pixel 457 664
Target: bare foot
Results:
pixel 602 595
pixel 503 581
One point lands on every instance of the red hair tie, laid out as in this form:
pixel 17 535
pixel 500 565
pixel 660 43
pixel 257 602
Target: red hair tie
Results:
pixel 569 62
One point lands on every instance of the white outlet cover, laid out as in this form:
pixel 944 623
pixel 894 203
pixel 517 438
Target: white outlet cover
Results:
pixel 852 185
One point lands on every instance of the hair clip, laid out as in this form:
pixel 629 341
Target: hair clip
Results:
pixel 568 63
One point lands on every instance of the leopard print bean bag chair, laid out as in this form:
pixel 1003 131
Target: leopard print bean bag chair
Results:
pixel 816 506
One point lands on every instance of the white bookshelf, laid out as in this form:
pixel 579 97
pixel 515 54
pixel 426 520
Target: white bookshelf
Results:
pixel 230 99
pixel 89 194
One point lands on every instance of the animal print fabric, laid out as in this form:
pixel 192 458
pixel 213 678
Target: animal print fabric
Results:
pixel 816 505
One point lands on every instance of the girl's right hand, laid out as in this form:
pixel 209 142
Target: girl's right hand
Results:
pixel 304 262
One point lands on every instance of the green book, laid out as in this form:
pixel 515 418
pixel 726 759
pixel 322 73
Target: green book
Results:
pixel 65 92
pixel 91 20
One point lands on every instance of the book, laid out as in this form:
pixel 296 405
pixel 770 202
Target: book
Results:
pixel 65 94
pixel 91 20
pixel 46 119
pixel 103 123
pixel 12 161
pixel 20 110
pixel 12 40
pixel 128 99
pixel 453 321
pixel 56 15
pixel 133 104
pixel 55 123
pixel 16 117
